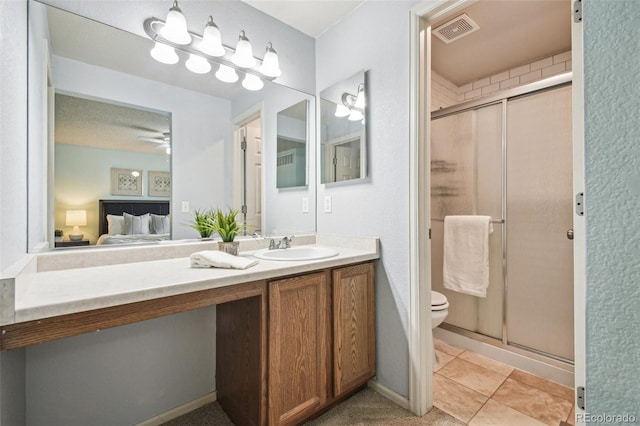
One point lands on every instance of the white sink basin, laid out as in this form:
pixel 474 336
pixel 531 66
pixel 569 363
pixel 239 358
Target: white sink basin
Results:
pixel 296 253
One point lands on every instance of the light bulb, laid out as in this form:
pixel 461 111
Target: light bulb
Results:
pixel 226 74
pixel 243 56
pixel 252 82
pixel 270 65
pixel 355 115
pixel 168 150
pixel 342 111
pixel 163 53
pixel 198 64
pixel 360 98
pixel 212 40
pixel 175 29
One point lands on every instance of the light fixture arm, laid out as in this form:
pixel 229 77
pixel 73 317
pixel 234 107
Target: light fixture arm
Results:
pixel 152 27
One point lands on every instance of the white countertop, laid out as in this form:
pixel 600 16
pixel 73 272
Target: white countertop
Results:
pixel 52 293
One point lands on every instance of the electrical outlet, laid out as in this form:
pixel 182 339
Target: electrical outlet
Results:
pixel 305 204
pixel 185 207
pixel 327 203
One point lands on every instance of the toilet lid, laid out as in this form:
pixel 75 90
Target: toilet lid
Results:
pixel 438 301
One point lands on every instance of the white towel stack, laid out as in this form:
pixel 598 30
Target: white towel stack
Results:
pixel 466 254
pixel 219 259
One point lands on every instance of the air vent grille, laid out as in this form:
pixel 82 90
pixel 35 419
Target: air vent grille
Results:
pixel 284 160
pixel 455 29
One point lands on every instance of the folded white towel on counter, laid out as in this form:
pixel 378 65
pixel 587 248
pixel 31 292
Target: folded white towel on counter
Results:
pixel 220 259
pixel 466 254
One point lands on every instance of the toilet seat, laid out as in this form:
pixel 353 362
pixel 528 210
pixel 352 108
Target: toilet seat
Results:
pixel 439 301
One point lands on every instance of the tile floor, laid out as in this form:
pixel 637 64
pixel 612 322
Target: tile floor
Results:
pixel 480 391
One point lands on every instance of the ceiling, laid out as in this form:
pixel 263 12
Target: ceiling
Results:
pixel 512 33
pixel 312 17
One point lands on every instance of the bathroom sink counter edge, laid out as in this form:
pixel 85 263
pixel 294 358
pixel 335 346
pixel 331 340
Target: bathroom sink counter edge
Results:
pixel 40 295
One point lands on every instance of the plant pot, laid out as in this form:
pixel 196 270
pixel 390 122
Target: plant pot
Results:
pixel 230 247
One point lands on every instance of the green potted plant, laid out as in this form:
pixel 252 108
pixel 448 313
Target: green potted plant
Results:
pixel 58 234
pixel 203 222
pixel 226 226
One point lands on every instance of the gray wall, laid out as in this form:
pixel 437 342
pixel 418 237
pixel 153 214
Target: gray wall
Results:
pixel 377 34
pixel 612 134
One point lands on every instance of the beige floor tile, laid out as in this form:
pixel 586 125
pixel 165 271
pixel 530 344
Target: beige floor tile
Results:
pixel 443 359
pixel 543 384
pixel 446 348
pixel 536 403
pixel 572 416
pixel 455 399
pixel 473 376
pixel 485 362
pixel 495 414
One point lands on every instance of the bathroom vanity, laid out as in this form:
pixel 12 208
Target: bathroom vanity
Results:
pixel 293 337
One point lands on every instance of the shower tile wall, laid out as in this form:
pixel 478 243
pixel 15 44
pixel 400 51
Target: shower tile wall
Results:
pixel 445 94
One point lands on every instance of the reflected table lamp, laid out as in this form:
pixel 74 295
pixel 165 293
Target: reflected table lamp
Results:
pixel 76 218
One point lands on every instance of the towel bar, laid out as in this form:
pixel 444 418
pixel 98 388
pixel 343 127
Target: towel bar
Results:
pixel 493 221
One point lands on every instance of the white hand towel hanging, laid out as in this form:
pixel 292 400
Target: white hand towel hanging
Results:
pixel 466 254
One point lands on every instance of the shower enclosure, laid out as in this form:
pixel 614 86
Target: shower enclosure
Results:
pixel 511 158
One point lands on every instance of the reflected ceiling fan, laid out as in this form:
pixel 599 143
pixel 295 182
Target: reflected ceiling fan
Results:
pixel 163 142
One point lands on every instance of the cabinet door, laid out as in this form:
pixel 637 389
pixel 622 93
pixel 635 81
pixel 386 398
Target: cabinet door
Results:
pixel 298 335
pixel 354 346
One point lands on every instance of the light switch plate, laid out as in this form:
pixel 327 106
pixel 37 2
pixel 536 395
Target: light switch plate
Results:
pixel 185 207
pixel 327 203
pixel 305 204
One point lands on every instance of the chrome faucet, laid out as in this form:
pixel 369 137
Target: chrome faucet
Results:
pixel 284 243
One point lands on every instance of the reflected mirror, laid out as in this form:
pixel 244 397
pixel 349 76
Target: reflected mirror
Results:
pixel 342 130
pixel 292 146
pixel 90 71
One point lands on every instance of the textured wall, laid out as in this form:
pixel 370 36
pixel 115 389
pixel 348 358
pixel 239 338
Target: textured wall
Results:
pixel 612 72
pixel 375 37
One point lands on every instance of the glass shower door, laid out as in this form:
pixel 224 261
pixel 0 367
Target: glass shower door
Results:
pixel 538 215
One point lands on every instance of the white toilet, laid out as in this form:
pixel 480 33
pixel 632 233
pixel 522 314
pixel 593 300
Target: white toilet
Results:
pixel 439 311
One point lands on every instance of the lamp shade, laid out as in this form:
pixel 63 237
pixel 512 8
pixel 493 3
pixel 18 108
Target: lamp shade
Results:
pixel 164 53
pixel 198 64
pixel 212 40
pixel 355 115
pixel 270 65
pixel 252 82
pixel 342 111
pixel 360 98
pixel 226 74
pixel 243 56
pixel 76 218
pixel 175 29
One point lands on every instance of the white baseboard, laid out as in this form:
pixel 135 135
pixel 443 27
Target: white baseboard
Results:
pixel 389 394
pixel 539 368
pixel 180 410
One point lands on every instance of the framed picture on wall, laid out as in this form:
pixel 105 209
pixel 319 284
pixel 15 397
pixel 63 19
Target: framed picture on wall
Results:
pixel 126 181
pixel 159 184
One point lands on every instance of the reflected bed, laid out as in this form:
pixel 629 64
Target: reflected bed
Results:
pixel 133 221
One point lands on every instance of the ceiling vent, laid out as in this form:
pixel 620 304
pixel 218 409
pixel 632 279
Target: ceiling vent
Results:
pixel 455 29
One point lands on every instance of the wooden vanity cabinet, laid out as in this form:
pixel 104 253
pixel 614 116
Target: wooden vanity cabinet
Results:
pixel 354 335
pixel 298 347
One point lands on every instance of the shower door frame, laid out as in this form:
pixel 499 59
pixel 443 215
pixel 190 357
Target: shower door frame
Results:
pixel 550 83
pixel 421 16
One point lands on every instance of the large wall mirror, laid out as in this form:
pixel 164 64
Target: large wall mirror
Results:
pixel 343 136
pixel 121 127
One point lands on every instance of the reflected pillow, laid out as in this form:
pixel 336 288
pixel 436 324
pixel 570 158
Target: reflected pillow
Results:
pixel 115 224
pixel 159 224
pixel 136 224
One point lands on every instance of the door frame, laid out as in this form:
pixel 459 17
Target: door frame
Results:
pixel 420 336
pixel 239 121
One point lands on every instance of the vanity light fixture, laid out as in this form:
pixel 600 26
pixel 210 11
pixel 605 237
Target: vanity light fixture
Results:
pixel 270 64
pixel 342 111
pixel 165 54
pixel 197 64
pixel 360 97
pixel 173 35
pixel 355 115
pixel 175 29
pixel 349 106
pixel 226 74
pixel 243 56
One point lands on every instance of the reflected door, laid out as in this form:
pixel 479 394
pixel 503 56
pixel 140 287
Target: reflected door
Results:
pixel 539 214
pixel 252 181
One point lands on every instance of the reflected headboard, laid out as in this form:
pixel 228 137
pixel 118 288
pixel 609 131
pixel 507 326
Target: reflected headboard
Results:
pixel 134 207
